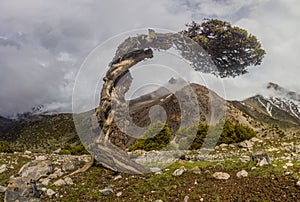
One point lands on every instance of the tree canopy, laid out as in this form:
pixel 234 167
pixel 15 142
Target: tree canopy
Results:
pixel 231 48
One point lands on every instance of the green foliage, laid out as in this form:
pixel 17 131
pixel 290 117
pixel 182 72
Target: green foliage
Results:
pixel 231 48
pixel 5 147
pixel 192 137
pixel 221 133
pixel 73 150
pixel 153 138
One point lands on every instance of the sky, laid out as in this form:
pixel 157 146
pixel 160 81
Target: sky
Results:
pixel 43 43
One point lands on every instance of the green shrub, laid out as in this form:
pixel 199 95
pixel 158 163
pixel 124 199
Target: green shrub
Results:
pixel 152 139
pixel 5 147
pixel 73 150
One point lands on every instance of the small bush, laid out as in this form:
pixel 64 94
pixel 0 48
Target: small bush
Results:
pixel 73 150
pixel 5 147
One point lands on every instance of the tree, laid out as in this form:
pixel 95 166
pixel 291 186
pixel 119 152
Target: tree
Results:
pixel 231 48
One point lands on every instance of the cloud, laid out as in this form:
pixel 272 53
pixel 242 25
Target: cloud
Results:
pixel 43 43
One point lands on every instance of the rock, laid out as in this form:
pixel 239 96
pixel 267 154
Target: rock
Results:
pixel 50 192
pixel 41 158
pixel 2 189
pixel 119 194
pixel 155 170
pixel 245 144
pixel 68 181
pixel 186 198
pixel 255 139
pixel 36 170
pixel 263 162
pixel 70 165
pixel 45 182
pixel 27 152
pixel 118 177
pixel 56 174
pixel 3 168
pixel 179 171
pixel 298 183
pixel 245 159
pixel 107 191
pixel 19 190
pixel 223 145
pixel 242 173
pixel 158 201
pixel 221 176
pixel 261 158
pixel 59 182
pixel 289 164
pixel 196 170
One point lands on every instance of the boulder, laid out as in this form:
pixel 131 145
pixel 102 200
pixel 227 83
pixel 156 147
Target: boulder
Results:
pixel 3 168
pixel 242 173
pixel 261 158
pixel 179 171
pixel 221 176
pixel 19 190
pixel 36 170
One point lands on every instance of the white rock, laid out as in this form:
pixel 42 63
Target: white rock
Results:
pixel 45 182
pixel 179 171
pixel 119 194
pixel 155 170
pixel 221 176
pixel 50 192
pixel 245 159
pixel 223 145
pixel 68 181
pixel 242 173
pixel 263 162
pixel 298 183
pixel 41 158
pixel 186 198
pixel 27 152
pixel 2 189
pixel 107 191
pixel 118 177
pixel 289 164
pixel 59 182
pixel 3 168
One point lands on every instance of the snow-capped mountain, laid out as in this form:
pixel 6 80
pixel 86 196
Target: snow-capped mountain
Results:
pixel 281 104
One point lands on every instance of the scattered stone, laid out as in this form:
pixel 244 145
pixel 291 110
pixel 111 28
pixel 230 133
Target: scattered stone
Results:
pixel 50 192
pixel 56 174
pixel 246 144
pixel 2 189
pixel 36 170
pixel 186 198
pixel 221 176
pixel 107 191
pixel 155 170
pixel 242 173
pixel 70 165
pixel 3 168
pixel 158 201
pixel 289 164
pixel 179 171
pixel 119 194
pixel 245 159
pixel 118 177
pixel 263 162
pixel 298 183
pixel 59 182
pixel 261 158
pixel 45 181
pixel 196 170
pixel 27 152
pixel 68 181
pixel 255 139
pixel 41 158
pixel 19 190
pixel 223 145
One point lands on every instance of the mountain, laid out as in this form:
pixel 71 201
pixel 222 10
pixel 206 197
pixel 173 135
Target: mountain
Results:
pixel 266 115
